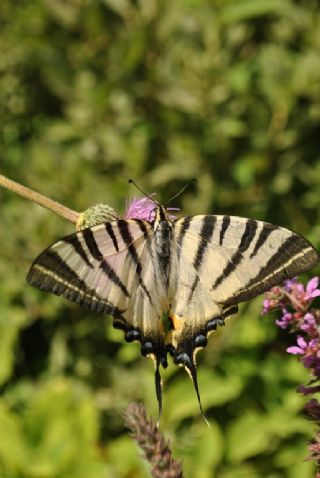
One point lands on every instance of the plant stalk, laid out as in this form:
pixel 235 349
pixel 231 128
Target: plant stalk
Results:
pixel 38 198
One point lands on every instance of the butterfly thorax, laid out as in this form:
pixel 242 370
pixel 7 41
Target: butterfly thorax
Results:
pixel 162 240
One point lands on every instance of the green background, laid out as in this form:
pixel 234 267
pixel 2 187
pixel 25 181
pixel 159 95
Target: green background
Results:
pixel 91 94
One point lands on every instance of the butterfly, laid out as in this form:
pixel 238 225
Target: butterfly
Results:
pixel 167 282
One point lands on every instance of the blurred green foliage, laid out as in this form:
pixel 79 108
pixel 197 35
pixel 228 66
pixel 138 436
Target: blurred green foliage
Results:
pixel 92 93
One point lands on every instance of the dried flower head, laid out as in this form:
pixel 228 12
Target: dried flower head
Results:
pixel 96 215
pixel 155 447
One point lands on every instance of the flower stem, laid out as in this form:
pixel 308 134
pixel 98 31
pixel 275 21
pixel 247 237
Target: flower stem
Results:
pixel 38 198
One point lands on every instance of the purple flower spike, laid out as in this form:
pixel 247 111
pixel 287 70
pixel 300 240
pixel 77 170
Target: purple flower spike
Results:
pixel 294 300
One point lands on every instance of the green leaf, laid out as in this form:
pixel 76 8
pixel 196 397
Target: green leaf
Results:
pixel 11 321
pixel 14 451
pixel 202 449
pixel 214 390
pixel 246 9
pixel 248 436
pixel 125 458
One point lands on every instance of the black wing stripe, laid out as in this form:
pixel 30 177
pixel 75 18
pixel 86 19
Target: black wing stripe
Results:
pixel 206 233
pixel 112 235
pixel 128 239
pixel 292 247
pixel 248 235
pixel 224 226
pixel 246 239
pixel 184 226
pixel 50 273
pixel 73 240
pixel 51 265
pixel 111 274
pixel 91 244
pixel 143 228
pixel 265 232
pixel 293 257
pixel 104 266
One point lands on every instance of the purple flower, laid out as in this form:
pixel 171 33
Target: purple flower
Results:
pixel 310 352
pixel 273 300
pixel 309 324
pixel 145 209
pixel 300 349
pixel 285 320
pixel 312 290
pixel 314 449
pixel 289 283
pixel 307 390
pixel 266 306
pixel 141 208
pixel 301 297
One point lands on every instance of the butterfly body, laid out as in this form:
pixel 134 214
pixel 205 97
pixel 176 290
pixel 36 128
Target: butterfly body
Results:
pixel 162 243
pixel 193 270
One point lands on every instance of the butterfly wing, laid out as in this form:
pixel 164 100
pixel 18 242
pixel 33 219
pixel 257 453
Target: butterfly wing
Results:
pixel 217 262
pixel 221 261
pixel 108 269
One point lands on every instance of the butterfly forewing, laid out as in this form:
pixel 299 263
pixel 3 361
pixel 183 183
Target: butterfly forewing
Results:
pixel 108 269
pixel 223 260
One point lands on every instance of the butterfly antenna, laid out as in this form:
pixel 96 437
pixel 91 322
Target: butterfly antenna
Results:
pixel 157 378
pixel 131 181
pixel 192 371
pixel 192 181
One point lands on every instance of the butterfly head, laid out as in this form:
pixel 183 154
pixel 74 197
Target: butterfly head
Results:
pixel 161 216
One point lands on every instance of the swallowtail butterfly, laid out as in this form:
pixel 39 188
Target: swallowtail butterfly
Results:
pixel 194 271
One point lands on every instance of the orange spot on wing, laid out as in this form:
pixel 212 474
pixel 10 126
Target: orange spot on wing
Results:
pixel 177 321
